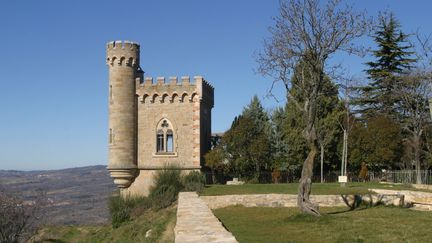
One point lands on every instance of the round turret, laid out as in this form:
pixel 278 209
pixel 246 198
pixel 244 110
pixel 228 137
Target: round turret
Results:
pixel 123 64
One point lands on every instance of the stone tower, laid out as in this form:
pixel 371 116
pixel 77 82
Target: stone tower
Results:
pixel 123 65
pixel 153 126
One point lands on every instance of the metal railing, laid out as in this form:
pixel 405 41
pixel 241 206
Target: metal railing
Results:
pixel 408 176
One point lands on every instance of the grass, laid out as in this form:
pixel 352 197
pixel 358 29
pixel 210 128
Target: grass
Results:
pixel 291 188
pixel 376 224
pixel 132 218
pixel 161 222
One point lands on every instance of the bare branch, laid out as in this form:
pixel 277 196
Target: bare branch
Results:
pixel 306 34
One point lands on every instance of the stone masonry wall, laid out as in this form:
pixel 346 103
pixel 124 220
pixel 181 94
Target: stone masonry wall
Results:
pixel 174 103
pixel 287 200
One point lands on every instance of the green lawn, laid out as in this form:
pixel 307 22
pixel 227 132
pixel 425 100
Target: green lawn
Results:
pixel 377 224
pixel 291 188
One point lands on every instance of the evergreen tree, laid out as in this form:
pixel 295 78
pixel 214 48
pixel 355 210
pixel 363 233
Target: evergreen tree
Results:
pixel 377 142
pixel 256 112
pixel 297 147
pixel 327 128
pixel 393 58
pixel 279 146
pixel 247 142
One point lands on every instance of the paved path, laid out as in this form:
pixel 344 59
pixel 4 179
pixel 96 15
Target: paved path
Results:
pixel 196 222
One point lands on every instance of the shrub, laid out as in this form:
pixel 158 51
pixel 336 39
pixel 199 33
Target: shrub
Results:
pixel 194 181
pixel 276 176
pixel 163 196
pixel 167 185
pixel 120 208
pixel 363 172
pixel 169 177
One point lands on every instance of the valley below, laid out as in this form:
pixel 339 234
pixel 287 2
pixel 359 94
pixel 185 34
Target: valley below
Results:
pixel 74 196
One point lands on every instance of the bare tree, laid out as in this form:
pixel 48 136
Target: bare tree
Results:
pixel 346 123
pixel 327 130
pixel 311 32
pixel 18 218
pixel 413 93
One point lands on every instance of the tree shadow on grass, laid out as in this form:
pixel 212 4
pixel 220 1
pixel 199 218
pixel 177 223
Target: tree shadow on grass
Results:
pixel 356 203
pixel 51 240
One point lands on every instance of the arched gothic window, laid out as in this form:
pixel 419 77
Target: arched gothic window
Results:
pixel 164 137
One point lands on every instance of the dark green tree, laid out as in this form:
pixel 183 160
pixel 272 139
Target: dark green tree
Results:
pixel 247 149
pixel 279 146
pixel 215 160
pixel 392 58
pixel 329 110
pixel 256 112
pixel 247 143
pixel 377 142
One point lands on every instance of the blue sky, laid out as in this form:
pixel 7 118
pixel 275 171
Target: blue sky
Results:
pixel 53 78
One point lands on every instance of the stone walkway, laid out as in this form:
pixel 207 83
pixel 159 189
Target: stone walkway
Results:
pixel 196 222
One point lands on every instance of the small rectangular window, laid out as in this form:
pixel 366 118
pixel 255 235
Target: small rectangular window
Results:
pixel 111 136
pixel 110 94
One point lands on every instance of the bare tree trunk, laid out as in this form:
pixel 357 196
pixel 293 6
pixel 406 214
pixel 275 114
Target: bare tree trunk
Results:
pixel 305 184
pixel 430 107
pixel 322 162
pixel 347 130
pixel 213 176
pixel 257 171
pixel 304 190
pixel 343 153
pixel 417 158
pixel 346 152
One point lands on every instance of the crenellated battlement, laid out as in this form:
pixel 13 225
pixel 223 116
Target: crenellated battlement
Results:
pixel 174 89
pixel 122 53
pixel 127 45
pixel 175 81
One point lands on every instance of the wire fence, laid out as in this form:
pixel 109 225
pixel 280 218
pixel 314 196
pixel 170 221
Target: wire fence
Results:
pixel 399 176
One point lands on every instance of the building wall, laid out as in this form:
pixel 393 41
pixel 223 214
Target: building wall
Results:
pixel 182 105
pixel 137 106
pixel 179 111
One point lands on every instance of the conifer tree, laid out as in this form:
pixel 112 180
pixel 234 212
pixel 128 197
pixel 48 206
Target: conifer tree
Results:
pixel 247 142
pixel 327 128
pixel 392 58
pixel 256 112
pixel 279 146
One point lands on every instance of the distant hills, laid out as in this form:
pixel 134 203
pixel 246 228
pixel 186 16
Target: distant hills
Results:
pixel 76 195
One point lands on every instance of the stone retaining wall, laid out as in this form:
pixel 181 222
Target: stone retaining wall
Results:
pixel 422 186
pixel 289 200
pixel 420 200
pixel 196 222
